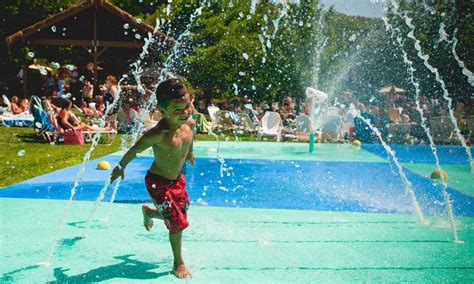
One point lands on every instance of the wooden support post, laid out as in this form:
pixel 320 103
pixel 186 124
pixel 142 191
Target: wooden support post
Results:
pixel 25 80
pixel 95 56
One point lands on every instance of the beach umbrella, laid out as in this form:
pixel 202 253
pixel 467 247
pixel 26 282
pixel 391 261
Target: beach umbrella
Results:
pixel 391 90
pixel 39 67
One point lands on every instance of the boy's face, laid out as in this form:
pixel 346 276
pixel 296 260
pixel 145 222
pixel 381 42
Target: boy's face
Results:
pixel 178 111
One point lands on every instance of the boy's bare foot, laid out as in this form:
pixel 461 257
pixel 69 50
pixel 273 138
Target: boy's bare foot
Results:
pixel 181 271
pixel 147 221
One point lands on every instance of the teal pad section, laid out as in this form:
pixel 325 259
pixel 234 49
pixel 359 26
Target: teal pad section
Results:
pixel 459 178
pixel 230 245
pixel 283 151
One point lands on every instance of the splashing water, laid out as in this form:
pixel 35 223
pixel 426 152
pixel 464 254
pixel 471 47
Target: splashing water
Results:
pixel 465 71
pixel 408 186
pixel 96 205
pixel 112 198
pixel 137 71
pixel 411 72
pixel 253 6
pixel 446 95
pixel 218 156
pixel 78 178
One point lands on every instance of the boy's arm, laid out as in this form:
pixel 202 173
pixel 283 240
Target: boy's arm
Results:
pixel 145 142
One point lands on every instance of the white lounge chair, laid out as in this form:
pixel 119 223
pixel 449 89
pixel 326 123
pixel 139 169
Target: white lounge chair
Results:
pixel 303 124
pixel 331 129
pixel 271 125
pixel 6 101
pixel 212 110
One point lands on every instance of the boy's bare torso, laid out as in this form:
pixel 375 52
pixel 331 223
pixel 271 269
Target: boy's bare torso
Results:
pixel 171 149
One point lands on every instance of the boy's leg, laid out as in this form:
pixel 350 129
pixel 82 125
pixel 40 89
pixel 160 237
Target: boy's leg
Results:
pixel 148 214
pixel 179 269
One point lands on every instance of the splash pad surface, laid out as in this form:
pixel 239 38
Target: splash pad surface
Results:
pixel 301 217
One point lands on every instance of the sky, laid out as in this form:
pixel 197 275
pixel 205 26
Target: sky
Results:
pixel 366 8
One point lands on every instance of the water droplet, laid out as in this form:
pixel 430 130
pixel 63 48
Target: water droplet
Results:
pixel 38 125
pixel 63 34
pixel 242 73
pixel 126 26
pixel 253 87
pixel 125 76
pixel 55 65
pixel 264 60
pixel 20 124
pixel 53 28
pixel 81 78
pixel 245 55
pixel 64 29
pixel 241 14
pixel 231 5
pixel 139 21
pixel 31 54
pixel 70 67
pixel 153 186
pixel 137 36
pixel 372 99
pixel 125 33
pixel 43 71
pixel 130 100
pixel 21 153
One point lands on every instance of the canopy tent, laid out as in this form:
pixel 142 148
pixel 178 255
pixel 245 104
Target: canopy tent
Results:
pixel 94 25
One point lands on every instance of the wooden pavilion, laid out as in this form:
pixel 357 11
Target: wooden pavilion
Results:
pixel 96 26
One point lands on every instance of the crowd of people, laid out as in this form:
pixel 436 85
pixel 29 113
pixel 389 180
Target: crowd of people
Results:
pixel 336 119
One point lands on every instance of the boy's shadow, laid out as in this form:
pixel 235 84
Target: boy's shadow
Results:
pixel 128 269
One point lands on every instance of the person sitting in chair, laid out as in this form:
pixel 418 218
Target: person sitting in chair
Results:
pixel 68 120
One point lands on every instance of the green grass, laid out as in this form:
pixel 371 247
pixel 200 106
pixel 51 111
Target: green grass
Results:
pixel 40 157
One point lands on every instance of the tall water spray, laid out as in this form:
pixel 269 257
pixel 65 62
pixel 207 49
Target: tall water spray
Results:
pixel 411 71
pixel 408 186
pixel 446 96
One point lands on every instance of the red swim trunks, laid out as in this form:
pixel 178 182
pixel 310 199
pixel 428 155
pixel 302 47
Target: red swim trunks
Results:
pixel 171 199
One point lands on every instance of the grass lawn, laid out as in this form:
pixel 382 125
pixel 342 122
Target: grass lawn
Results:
pixel 41 157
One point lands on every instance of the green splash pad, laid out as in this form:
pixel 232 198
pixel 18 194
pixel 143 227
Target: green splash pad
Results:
pixel 225 245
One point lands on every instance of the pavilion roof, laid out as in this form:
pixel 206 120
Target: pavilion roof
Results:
pixel 77 26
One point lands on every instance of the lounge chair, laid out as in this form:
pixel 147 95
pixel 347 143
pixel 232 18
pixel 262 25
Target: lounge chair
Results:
pixel 42 123
pixel 331 130
pixel 212 110
pixel 203 126
pixel 224 120
pixel 303 124
pixel 246 123
pixel 400 132
pixel 271 125
pixel 6 101
pixel 442 129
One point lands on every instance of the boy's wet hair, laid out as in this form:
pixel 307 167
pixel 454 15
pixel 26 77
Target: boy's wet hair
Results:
pixel 170 90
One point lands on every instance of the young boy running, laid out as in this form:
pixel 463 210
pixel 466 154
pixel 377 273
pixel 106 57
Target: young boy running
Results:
pixel 171 140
